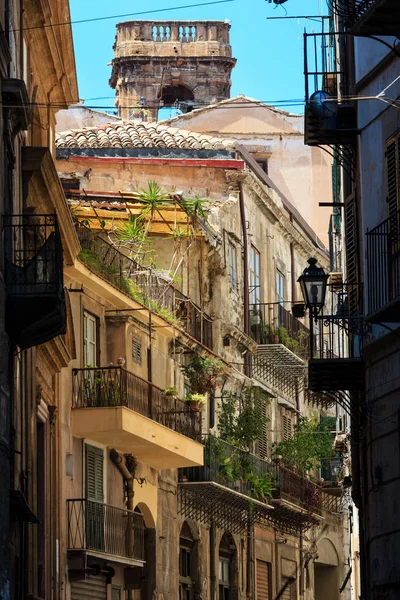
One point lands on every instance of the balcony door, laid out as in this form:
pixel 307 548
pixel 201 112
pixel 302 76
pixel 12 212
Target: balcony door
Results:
pixel 94 482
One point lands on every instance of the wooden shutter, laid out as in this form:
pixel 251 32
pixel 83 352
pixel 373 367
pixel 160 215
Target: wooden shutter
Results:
pixel 90 588
pixel 352 251
pixel 263 580
pixel 392 176
pixel 94 473
pixel 262 442
pixel 286 427
pixel 290 590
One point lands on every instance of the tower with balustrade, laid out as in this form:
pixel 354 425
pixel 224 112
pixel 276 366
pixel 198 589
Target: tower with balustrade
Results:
pixel 160 63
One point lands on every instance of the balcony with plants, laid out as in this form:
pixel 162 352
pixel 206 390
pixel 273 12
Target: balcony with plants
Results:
pixel 283 344
pixel 235 487
pixel 119 248
pixel 101 530
pixel 113 405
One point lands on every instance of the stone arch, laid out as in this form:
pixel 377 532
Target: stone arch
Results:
pixel 189 559
pixel 172 93
pixel 327 553
pixel 148 579
pixel 228 572
pixel 148 518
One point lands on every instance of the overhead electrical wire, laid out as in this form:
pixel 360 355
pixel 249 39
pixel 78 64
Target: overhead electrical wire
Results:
pixel 135 14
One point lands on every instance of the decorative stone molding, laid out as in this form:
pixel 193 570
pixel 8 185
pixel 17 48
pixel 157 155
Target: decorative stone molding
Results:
pixel 53 412
pixel 242 338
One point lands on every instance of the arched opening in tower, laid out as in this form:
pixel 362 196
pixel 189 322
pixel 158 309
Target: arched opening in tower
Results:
pixel 172 94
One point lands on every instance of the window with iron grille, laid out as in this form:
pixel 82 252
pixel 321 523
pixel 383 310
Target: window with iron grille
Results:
pixel 136 351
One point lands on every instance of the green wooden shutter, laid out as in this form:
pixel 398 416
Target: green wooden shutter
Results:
pixel 392 176
pixel 94 473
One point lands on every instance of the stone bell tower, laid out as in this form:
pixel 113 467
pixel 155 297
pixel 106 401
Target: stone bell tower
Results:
pixel 160 63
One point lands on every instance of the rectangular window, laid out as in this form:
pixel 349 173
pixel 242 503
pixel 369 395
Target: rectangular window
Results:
pixel 280 287
pixel 90 346
pixel 233 276
pixel 255 278
pixel 136 351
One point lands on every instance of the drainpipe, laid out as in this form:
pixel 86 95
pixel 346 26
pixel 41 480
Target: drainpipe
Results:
pixel 246 290
pixel 213 578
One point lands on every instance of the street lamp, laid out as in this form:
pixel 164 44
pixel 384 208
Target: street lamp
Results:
pixel 313 284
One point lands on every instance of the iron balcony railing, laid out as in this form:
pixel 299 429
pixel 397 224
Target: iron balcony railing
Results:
pixel 321 69
pixel 229 466
pixel 352 11
pixel 144 285
pixel 33 255
pixel 97 527
pixel 383 263
pixel 273 324
pixel 340 322
pixel 251 475
pixel 33 268
pixel 115 386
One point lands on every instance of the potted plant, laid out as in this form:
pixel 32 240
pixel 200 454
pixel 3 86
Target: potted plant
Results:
pixel 171 392
pixel 196 401
pixel 203 373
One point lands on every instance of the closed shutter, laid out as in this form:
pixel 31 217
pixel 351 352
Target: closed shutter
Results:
pixel 94 473
pixel 91 588
pixel 290 589
pixel 286 428
pixel 263 580
pixel 351 230
pixel 262 442
pixel 393 175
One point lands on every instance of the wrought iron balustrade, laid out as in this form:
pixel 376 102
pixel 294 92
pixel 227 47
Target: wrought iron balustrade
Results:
pixel 295 488
pixel 335 362
pixel 329 120
pixel 116 386
pixel 144 285
pixel 383 268
pixel 273 324
pixel 376 17
pixel 101 528
pixel 230 467
pixel 34 278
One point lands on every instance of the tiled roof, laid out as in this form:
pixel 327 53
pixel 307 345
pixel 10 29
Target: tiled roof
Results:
pixel 139 135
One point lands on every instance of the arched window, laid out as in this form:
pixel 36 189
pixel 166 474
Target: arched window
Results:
pixel 227 570
pixel 188 567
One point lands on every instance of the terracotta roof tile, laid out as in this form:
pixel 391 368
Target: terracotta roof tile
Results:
pixel 139 135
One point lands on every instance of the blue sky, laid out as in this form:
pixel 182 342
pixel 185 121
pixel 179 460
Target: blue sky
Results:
pixel 269 53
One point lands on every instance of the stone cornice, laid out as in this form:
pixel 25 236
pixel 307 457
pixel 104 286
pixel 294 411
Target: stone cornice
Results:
pixel 43 190
pixel 264 199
